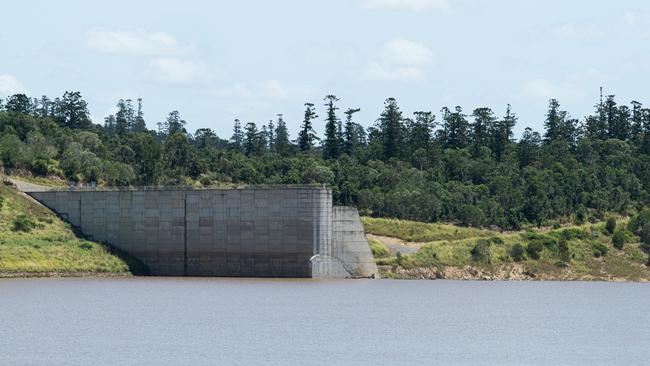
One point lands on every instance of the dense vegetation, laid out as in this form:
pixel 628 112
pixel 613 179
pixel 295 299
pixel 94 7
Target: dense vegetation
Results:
pixel 33 241
pixel 457 167
pixel 586 252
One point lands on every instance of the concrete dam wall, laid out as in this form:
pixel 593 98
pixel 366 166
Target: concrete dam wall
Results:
pixel 260 232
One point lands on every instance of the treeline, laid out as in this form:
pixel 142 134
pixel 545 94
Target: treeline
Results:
pixel 457 166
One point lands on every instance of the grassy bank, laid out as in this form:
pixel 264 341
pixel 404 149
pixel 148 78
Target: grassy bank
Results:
pixel 445 251
pixel 34 241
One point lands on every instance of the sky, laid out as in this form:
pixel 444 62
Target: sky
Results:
pixel 215 61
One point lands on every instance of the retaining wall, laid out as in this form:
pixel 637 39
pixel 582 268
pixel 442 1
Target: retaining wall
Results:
pixel 261 232
pixel 229 232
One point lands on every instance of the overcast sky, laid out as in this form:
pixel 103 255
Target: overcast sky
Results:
pixel 216 61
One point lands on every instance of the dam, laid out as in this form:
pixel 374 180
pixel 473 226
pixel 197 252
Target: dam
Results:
pixel 292 232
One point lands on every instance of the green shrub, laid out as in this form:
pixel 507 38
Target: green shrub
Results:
pixel 399 258
pixel 636 223
pixel 481 251
pixel 571 234
pixel 619 238
pixel 581 215
pixel 496 240
pixel 599 249
pixel 610 226
pixel 563 251
pixel 534 248
pixel 205 181
pixel 645 237
pixel 378 249
pixel 23 223
pixel 544 240
pixel 85 246
pixel 425 257
pixel 40 167
pixel 517 252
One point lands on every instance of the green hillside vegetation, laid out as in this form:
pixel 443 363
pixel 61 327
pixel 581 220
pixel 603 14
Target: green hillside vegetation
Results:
pixel 34 241
pixel 462 166
pixel 419 231
pixel 574 252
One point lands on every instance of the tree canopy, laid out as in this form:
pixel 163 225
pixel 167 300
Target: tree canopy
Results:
pixel 456 167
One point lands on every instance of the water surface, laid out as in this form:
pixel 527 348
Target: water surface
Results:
pixel 163 321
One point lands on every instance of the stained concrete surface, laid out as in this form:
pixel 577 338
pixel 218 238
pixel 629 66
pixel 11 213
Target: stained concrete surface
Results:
pixel 257 232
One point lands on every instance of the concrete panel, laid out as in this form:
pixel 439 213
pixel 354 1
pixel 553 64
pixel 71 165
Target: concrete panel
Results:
pixel 265 232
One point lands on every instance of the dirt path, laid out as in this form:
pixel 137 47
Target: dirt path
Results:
pixel 395 245
pixel 28 187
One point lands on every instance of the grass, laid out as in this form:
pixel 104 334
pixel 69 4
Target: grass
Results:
pixel 418 231
pixel 591 253
pixel 34 240
pixel 43 181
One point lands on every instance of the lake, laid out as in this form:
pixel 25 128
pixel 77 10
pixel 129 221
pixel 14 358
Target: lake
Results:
pixel 169 321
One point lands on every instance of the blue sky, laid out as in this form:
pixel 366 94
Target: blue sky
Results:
pixel 216 61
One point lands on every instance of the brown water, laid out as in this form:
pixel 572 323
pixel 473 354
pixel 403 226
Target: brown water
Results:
pixel 165 321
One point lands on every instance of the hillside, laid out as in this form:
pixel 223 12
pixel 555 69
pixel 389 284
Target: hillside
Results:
pixel 406 249
pixel 35 242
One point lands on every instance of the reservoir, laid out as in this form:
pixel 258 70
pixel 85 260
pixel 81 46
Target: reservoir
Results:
pixel 186 321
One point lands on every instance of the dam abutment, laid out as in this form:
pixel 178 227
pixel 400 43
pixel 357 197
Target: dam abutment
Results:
pixel 251 232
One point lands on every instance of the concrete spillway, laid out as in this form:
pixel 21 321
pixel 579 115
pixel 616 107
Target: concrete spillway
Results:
pixel 260 232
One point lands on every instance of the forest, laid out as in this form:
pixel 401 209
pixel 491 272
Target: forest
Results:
pixel 456 166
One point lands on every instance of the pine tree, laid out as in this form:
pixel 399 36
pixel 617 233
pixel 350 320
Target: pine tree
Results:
pixel 645 118
pixel 130 115
pixel 139 124
pixel 391 127
pixel 623 123
pixel 351 139
pixel 559 126
pixel 264 137
pixel 501 134
pixel 254 143
pixel 44 107
pixel 237 139
pixel 484 121
pixel 332 143
pixel 528 146
pixel 282 144
pixel 175 124
pixel 420 131
pixel 455 128
pixel 121 120
pixel 307 134
pixel 19 103
pixel 554 119
pixel 74 111
pixel 109 124
pixel 595 126
pixel 270 135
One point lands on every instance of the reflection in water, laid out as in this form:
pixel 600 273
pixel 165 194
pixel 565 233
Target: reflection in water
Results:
pixel 162 321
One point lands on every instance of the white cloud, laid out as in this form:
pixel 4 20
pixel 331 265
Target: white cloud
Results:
pixel 399 60
pixel 238 90
pixel 178 71
pixel 404 52
pixel 630 18
pixel 10 85
pixel 580 32
pixel 379 72
pixel 134 42
pixel 407 4
pixel 540 89
pixel 270 89
pixel 575 87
